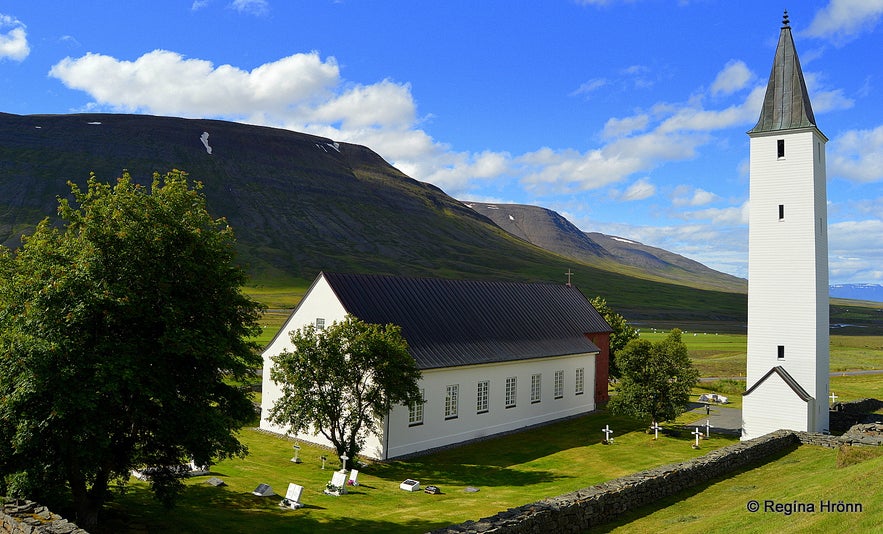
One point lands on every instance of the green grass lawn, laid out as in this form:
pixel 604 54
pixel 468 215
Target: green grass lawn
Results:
pixel 509 471
pixel 806 475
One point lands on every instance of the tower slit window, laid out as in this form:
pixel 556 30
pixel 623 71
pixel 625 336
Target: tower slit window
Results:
pixel 781 212
pixel 780 352
pixel 780 148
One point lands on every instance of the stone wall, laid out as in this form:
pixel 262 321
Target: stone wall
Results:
pixel 844 415
pixel 579 510
pixel 26 517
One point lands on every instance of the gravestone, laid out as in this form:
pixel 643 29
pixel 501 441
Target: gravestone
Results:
pixel 292 496
pixel 354 477
pixel 263 490
pixel 338 483
pixel 410 485
pixel 215 481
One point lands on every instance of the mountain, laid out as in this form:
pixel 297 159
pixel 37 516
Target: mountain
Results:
pixel 551 231
pixel 300 204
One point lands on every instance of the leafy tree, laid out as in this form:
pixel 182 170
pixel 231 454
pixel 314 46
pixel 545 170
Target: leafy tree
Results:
pixel 119 328
pixel 656 379
pixel 622 333
pixel 342 380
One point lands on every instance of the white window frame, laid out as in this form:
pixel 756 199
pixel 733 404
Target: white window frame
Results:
pixel 415 412
pixel 320 323
pixel 452 399
pixel 579 385
pixel 481 397
pixel 511 391
pixel 536 388
pixel 559 384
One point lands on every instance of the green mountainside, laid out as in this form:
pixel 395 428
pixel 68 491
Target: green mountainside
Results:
pixel 301 204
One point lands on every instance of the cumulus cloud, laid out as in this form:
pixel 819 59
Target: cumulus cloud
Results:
pixel 735 76
pixel 13 39
pixel 857 155
pixel 687 196
pixel 843 20
pixel 848 236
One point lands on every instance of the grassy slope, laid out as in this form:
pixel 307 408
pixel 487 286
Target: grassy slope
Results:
pixel 508 471
pixel 804 475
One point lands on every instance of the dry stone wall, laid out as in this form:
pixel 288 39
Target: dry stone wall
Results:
pixel 26 517
pixel 577 511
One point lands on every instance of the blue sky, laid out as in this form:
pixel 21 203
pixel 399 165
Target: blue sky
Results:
pixel 626 116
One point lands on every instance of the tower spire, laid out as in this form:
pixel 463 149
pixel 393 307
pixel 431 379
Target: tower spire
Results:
pixel 786 104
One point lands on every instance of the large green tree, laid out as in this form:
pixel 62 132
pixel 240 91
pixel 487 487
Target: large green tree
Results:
pixel 122 327
pixel 622 333
pixel 655 379
pixel 342 381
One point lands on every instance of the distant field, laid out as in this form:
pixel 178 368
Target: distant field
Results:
pixel 724 355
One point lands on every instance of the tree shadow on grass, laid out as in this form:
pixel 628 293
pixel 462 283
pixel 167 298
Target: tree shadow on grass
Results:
pixel 210 510
pixel 682 495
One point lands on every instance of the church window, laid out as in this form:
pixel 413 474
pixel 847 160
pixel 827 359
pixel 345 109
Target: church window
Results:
pixel 781 352
pixel 535 384
pixel 481 405
pixel 452 394
pixel 320 323
pixel 559 384
pixel 579 381
pixel 781 148
pixel 510 392
pixel 415 412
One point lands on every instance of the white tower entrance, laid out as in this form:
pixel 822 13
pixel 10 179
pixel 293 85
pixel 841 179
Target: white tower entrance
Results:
pixel 788 345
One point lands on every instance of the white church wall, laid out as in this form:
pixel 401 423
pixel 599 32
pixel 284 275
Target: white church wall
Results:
pixel 437 431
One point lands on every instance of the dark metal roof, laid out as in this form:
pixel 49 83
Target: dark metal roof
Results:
pixel 786 104
pixel 786 376
pixel 450 323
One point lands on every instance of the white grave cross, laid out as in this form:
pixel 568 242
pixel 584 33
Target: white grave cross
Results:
pixel 707 428
pixel 343 459
pixel 833 398
pixel 656 428
pixel 697 433
pixel 607 433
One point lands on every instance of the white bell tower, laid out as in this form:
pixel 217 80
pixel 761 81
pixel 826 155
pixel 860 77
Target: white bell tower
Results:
pixel 788 337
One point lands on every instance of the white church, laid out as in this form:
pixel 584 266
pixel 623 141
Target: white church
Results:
pixel 788 322
pixel 495 356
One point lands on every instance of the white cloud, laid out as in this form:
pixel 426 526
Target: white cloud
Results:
pixel 848 236
pixel 843 20
pixel 590 86
pixel 639 190
pixel 857 155
pixel 13 42
pixel 251 7
pixel 615 127
pixel 684 195
pixel 735 76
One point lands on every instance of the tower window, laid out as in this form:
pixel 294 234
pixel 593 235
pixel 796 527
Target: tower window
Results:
pixel 780 145
pixel 781 212
pixel 781 352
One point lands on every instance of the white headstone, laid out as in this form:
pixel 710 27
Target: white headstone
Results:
pixel 697 433
pixel 339 479
pixel 607 433
pixel 707 428
pixel 354 477
pixel 410 485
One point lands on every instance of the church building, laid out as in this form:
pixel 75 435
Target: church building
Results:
pixel 788 318
pixel 495 356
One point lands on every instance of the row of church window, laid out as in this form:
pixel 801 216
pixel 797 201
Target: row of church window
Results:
pixel 482 397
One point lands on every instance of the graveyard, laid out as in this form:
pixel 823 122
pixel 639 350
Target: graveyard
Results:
pixel 474 481
pixel 480 479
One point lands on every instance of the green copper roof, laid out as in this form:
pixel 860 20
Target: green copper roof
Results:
pixel 786 104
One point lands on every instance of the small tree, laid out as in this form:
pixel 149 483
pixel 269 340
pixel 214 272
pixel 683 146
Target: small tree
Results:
pixel 656 379
pixel 342 380
pixel 622 333
pixel 118 331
